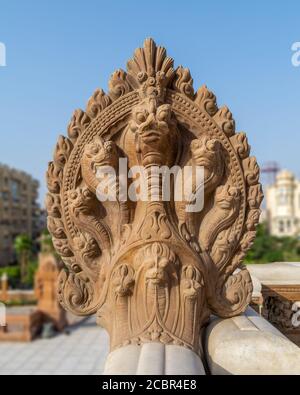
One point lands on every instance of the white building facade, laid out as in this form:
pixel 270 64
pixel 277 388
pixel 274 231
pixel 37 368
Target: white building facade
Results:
pixel 283 205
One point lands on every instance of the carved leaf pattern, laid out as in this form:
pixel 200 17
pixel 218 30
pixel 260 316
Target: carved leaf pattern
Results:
pixel 183 82
pixel 118 85
pixel 97 103
pixel 79 122
pixel 225 121
pixel 206 100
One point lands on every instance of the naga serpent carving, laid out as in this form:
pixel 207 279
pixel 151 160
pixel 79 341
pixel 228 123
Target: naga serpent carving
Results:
pixel 150 269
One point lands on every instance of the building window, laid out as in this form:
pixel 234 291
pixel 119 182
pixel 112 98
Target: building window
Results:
pixel 282 199
pixel 5 196
pixel 7 241
pixel 281 227
pixel 14 188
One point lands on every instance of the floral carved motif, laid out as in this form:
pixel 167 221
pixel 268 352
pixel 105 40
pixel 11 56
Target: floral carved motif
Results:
pixel 152 270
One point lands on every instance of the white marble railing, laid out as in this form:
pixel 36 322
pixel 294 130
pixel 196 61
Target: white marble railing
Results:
pixel 279 286
pixel 246 344
pixel 153 359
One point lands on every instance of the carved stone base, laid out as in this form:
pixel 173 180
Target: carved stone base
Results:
pixel 153 359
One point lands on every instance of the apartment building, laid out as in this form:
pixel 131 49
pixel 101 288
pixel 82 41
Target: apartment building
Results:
pixel 19 210
pixel 283 205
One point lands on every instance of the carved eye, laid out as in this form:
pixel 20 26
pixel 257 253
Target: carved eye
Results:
pixel 141 117
pixel 163 115
pixel 94 150
pixel 76 268
pixel 86 193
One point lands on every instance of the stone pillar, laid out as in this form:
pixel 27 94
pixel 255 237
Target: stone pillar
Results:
pixel 153 260
pixel 46 290
pixel 4 287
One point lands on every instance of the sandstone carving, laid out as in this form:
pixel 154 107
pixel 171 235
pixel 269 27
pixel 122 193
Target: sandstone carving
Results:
pixel 150 269
pixel 45 289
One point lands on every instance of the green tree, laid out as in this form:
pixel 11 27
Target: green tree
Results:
pixel 267 248
pixel 23 246
pixel 13 274
pixel 46 242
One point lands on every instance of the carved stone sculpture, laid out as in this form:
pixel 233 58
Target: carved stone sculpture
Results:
pixel 151 270
pixel 4 288
pixel 45 289
pixel 284 314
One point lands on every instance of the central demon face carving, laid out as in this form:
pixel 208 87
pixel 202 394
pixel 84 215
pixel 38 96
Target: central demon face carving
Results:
pixel 155 132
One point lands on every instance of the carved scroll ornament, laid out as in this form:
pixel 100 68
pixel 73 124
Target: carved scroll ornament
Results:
pixel 151 270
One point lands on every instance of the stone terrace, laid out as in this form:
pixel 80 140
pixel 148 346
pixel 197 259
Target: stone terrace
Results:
pixel 83 351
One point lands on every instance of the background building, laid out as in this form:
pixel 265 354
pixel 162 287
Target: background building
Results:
pixel 19 211
pixel 283 205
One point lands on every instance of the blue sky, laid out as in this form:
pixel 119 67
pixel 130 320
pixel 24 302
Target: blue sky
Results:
pixel 59 52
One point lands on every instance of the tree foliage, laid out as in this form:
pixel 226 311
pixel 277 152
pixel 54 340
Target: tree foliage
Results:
pixel 268 248
pixel 23 246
